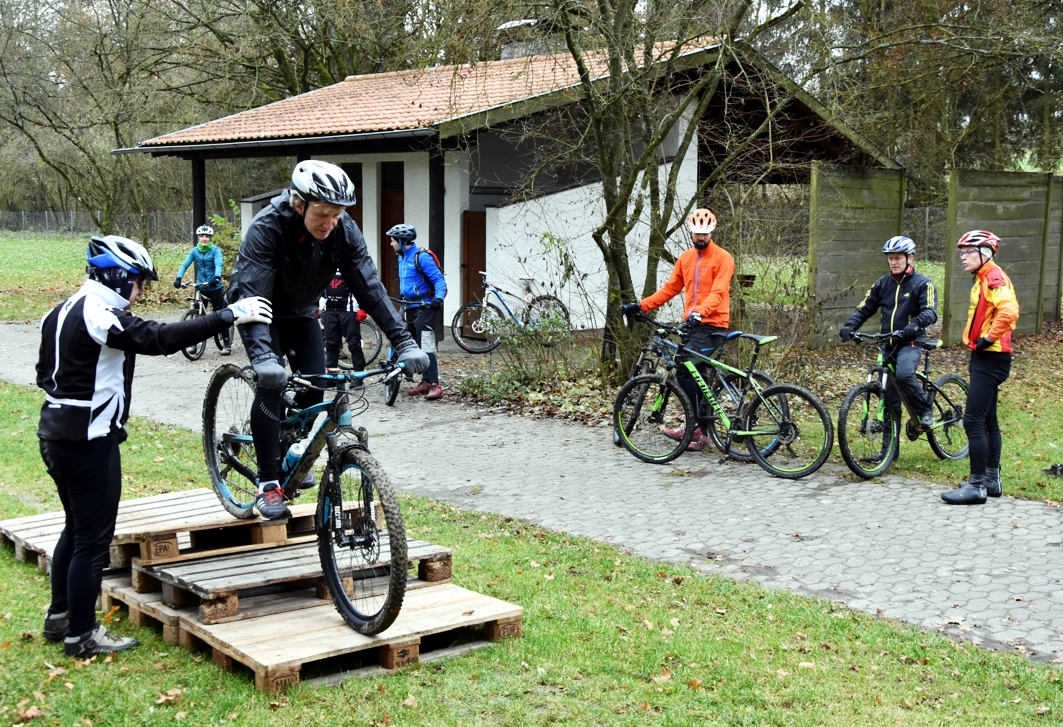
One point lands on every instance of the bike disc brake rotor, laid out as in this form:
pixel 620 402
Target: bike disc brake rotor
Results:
pixel 788 432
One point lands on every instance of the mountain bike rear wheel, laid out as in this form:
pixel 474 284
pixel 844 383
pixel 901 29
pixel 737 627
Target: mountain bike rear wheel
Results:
pixel 227 445
pixel 728 390
pixel 550 317
pixel 868 434
pixel 195 351
pixel 362 541
pixel 476 327
pixel 800 423
pixel 948 401
pixel 372 341
pixel 654 418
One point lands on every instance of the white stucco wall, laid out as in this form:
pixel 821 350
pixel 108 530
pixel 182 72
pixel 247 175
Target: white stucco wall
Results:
pixel 415 203
pixel 526 239
pixel 455 202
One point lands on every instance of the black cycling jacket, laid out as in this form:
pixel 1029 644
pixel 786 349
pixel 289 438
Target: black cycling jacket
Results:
pixel 281 261
pixel 904 299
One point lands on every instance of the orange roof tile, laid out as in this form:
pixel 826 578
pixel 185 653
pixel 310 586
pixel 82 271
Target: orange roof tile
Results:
pixel 393 101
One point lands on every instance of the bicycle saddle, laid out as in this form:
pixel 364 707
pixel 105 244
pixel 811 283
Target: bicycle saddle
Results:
pixel 759 340
pixel 930 345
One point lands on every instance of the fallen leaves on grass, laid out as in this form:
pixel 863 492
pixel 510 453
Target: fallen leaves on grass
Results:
pixel 410 701
pixel 170 696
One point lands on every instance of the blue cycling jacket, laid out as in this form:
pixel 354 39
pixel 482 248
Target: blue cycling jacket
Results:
pixel 208 265
pixel 415 286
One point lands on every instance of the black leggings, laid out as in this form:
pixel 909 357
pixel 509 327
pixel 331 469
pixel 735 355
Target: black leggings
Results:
pixel 988 370
pixel 88 476
pixel 704 340
pixel 300 341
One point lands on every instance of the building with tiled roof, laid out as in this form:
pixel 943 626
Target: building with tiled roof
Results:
pixel 440 148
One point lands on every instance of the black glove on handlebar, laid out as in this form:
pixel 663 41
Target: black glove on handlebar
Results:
pixel 911 331
pixel 630 309
pixel 846 333
pixel 177 283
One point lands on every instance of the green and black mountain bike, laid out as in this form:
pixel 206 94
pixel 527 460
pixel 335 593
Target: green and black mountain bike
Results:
pixel 868 434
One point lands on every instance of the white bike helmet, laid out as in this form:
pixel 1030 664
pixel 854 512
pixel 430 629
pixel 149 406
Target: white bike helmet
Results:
pixel 316 181
pixel 701 222
pixel 113 251
pixel 205 230
pixel 900 243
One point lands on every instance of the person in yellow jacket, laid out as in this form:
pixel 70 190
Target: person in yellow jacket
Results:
pixel 991 318
pixel 704 274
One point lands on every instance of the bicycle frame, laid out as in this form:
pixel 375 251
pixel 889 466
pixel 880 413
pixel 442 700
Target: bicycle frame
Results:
pixel 338 416
pixel 883 369
pixel 717 366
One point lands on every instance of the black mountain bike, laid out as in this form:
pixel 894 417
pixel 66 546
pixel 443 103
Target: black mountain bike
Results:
pixel 199 305
pixel 360 531
pixel 868 435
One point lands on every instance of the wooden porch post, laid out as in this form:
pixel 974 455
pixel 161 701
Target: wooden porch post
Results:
pixel 199 194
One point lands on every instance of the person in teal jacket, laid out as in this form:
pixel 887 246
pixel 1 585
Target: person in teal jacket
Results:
pixel 206 256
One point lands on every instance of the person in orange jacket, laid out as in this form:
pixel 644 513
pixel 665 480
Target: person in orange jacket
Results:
pixel 991 318
pixel 704 274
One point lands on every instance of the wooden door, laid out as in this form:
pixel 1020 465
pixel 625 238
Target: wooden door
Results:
pixel 354 171
pixel 392 209
pixel 473 254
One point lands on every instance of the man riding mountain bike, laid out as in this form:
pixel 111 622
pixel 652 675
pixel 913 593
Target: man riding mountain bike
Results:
pixel 908 304
pixel 291 252
pixel 704 274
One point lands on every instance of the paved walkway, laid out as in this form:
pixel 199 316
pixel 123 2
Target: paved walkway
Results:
pixel 990 574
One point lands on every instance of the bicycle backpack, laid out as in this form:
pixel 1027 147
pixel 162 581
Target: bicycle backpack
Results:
pixel 417 264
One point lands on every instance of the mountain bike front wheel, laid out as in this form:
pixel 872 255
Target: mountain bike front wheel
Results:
pixel 227 445
pixel 948 401
pixel 867 432
pixel 654 418
pixel 362 541
pixel 476 327
pixel 195 351
pixel 793 427
pixel 728 391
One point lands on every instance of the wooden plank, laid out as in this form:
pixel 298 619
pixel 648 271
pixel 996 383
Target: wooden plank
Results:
pixel 210 577
pixel 194 554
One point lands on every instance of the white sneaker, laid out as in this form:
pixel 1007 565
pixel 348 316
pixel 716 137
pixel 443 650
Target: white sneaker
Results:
pixel 98 641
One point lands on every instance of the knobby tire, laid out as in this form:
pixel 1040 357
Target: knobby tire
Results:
pixel 227 410
pixel 362 541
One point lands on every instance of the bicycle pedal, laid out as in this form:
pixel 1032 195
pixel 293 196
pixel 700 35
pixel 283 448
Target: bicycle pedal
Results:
pixel 722 460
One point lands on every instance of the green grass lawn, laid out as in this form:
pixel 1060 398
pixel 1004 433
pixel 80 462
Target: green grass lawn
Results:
pixel 39 272
pixel 609 638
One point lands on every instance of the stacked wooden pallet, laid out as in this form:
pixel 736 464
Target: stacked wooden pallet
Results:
pixel 252 592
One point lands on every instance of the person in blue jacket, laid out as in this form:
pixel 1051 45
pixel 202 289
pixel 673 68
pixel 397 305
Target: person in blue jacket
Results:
pixel 206 256
pixel 420 281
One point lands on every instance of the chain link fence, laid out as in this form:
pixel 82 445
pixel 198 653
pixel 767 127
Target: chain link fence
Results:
pixel 151 227
pixel 926 226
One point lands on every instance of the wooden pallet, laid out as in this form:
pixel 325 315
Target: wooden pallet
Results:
pixel 165 528
pixel 276 647
pixel 145 609
pixel 221 585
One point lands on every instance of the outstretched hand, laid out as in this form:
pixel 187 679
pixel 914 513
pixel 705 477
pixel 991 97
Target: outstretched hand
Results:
pixel 255 309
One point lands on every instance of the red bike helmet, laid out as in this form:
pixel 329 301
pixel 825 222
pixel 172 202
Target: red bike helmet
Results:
pixel 979 238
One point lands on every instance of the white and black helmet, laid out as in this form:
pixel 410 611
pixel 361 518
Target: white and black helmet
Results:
pixel 205 230
pixel 113 251
pixel 316 181
pixel 899 244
